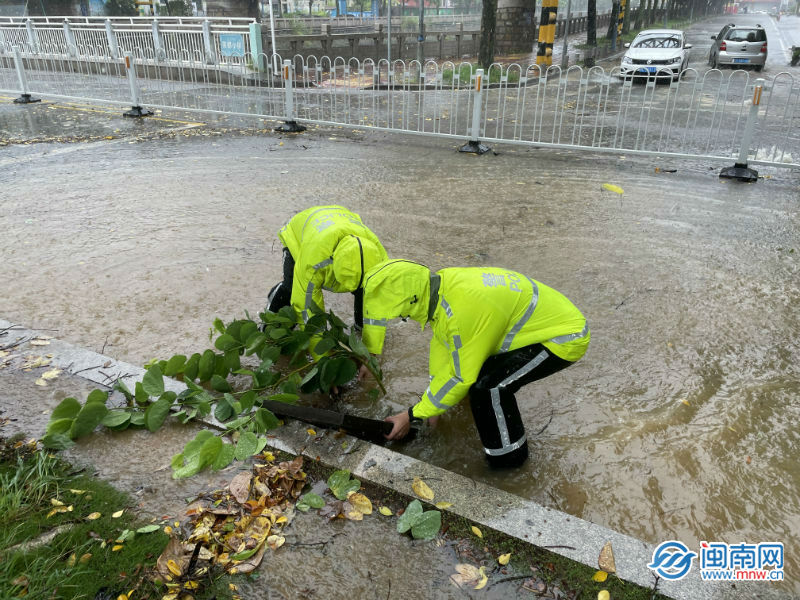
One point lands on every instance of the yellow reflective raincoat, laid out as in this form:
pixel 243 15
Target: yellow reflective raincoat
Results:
pixel 475 313
pixel 332 250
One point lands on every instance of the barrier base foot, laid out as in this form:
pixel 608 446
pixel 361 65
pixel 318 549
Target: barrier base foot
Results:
pixel 26 99
pixel 740 173
pixel 290 127
pixel 475 147
pixel 137 112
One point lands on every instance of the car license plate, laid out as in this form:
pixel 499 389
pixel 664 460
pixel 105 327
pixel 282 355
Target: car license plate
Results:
pixel 741 60
pixel 647 70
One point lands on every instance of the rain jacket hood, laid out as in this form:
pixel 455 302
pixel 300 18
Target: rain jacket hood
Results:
pixel 352 258
pixel 393 289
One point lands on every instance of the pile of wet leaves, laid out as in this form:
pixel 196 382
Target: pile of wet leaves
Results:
pixel 232 528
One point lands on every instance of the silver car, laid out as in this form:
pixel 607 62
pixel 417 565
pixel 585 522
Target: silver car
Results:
pixel 739 46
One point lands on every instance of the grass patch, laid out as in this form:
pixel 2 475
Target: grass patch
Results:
pixel 48 554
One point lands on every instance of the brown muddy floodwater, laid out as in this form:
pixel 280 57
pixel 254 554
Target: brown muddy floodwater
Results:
pixel 679 423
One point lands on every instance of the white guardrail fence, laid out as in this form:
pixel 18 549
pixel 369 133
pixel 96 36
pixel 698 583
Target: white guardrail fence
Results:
pixel 715 115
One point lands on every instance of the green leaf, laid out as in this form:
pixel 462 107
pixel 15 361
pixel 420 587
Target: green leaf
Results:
pixel 220 367
pixel 219 325
pixel 57 441
pixel 246 446
pixel 427 526
pixel 191 368
pixel 309 376
pixel 357 346
pixel 285 398
pixel 248 329
pixel 373 394
pixel 247 400
pixel 246 554
pixel 265 377
pixel 324 345
pixel 59 426
pixel 223 411
pixel 411 516
pixel 255 342
pixel 302 506
pixel 97 396
pixel 194 446
pixel 149 528
pixel 232 361
pixel 224 458
pixel 68 408
pixel 277 334
pixel 175 365
pixel 345 371
pixel 327 373
pixel 155 414
pixel 119 385
pixel 262 443
pixel 206 455
pixel 205 367
pixel 116 418
pixel 226 342
pixel 340 484
pixel 220 384
pixel 142 398
pixel 88 418
pixel 313 500
pixel 270 353
pixel 265 420
pixel 153 381
pixel 137 419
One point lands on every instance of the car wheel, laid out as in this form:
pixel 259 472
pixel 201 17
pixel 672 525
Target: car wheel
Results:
pixel 758 68
pixel 716 64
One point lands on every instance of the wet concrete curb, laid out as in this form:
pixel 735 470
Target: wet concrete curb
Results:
pixel 486 506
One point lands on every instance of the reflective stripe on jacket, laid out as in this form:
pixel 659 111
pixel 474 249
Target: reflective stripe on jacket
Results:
pixel 312 236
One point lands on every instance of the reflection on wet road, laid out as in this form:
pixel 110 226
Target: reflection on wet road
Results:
pixel 679 423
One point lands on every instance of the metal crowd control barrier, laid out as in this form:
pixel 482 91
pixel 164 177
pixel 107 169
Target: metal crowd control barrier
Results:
pixel 711 116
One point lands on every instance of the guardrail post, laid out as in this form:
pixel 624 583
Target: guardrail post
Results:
pixel 136 110
pixel 25 97
pixel 211 56
pixel 112 39
pixel 474 145
pixel 69 37
pixel 158 44
pixel 740 171
pixel 33 36
pixel 257 47
pixel 289 124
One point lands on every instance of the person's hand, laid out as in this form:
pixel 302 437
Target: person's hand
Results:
pixel 400 426
pixel 363 371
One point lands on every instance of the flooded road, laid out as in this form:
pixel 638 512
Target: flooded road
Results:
pixel 679 423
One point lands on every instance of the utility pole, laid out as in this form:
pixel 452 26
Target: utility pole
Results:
pixel 421 36
pixel 564 57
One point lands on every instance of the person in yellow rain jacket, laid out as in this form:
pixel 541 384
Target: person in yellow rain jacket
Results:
pixel 325 247
pixel 494 330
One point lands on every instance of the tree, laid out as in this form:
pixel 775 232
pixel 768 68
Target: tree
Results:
pixel 121 8
pixel 488 25
pixel 179 8
pixel 639 10
pixel 612 26
pixel 591 31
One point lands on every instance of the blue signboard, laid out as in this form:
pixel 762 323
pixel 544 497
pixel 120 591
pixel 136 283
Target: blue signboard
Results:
pixel 231 44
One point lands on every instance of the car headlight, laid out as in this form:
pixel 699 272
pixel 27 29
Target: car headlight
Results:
pixel 627 60
pixel 677 59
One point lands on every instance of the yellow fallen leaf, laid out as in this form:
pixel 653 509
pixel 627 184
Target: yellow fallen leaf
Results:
pixel 41 382
pixel 504 558
pixel 275 541
pixel 78 492
pixel 167 529
pixel 603 595
pixel 51 374
pixel 268 456
pixel 443 505
pixel 422 489
pixel 170 596
pixel 93 516
pixel 176 523
pixel 477 532
pixel 122 597
pixel 686 402
pixel 117 547
pixel 385 511
pixel 72 560
pixel 56 502
pixel 310 431
pixel 600 576
pixel 39 342
pixel 173 568
pixel 191 585
pixel 85 558
pixel 732 429
pixel 484 579
pixel 117 514
pixel 613 188
pixel 361 503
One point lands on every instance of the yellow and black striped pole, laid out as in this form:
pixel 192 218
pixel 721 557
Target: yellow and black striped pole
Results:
pixel 547 32
pixel 621 18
